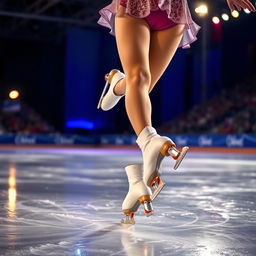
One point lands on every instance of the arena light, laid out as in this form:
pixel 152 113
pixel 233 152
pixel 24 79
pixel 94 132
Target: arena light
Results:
pixel 247 11
pixel 201 10
pixel 216 20
pixel 225 17
pixel 235 14
pixel 14 94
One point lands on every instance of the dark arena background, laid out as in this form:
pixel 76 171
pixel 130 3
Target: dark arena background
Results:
pixel 62 177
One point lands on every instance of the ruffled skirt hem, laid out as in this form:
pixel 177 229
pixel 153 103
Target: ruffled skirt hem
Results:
pixel 107 19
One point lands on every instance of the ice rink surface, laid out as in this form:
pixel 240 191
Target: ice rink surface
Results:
pixel 68 202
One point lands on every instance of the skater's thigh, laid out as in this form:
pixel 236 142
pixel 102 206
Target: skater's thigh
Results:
pixel 163 46
pixel 133 40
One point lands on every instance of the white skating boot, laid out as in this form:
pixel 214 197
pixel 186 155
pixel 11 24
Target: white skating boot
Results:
pixel 138 194
pixel 154 148
pixel 110 99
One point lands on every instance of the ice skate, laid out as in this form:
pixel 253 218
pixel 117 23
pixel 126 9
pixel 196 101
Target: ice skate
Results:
pixel 154 148
pixel 138 194
pixel 110 99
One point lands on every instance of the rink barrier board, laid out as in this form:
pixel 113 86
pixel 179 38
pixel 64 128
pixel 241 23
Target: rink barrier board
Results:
pixel 231 140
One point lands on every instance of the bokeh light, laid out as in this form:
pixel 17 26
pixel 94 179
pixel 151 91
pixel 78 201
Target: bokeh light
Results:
pixel 201 10
pixel 216 20
pixel 235 14
pixel 14 94
pixel 225 17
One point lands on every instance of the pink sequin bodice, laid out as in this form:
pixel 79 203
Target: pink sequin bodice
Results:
pixel 177 10
pixel 138 7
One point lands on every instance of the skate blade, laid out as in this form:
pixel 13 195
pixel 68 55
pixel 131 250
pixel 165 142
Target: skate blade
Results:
pixel 102 94
pixel 157 190
pixel 181 157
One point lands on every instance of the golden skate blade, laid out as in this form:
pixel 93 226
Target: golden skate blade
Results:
pixel 181 157
pixel 157 190
pixel 102 95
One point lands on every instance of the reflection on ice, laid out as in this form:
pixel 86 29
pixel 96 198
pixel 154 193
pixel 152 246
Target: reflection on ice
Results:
pixel 12 192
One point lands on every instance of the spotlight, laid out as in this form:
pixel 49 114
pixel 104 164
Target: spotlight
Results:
pixel 247 11
pixel 225 17
pixel 202 10
pixel 14 94
pixel 235 14
pixel 216 20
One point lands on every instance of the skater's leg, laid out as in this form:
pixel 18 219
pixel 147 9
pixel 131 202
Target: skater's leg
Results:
pixel 134 45
pixel 163 45
pixel 133 40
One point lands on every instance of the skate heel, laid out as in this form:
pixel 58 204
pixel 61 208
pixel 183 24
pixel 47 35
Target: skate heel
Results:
pixel 169 149
pixel 129 214
pixel 165 148
pixel 148 207
pixel 108 77
pixel 129 218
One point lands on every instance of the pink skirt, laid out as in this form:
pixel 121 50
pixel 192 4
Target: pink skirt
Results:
pixel 177 11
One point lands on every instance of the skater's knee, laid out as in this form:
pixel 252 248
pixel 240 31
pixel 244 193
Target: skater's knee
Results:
pixel 138 77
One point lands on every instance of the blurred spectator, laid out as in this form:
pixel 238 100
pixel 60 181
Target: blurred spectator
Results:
pixel 231 111
pixel 16 117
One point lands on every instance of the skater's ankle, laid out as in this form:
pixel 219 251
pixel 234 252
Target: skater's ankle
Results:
pixel 145 136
